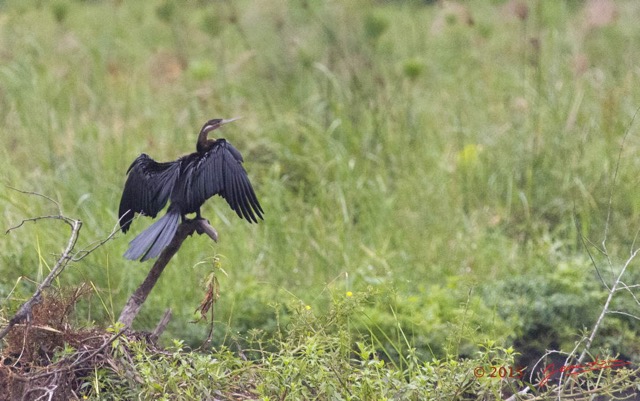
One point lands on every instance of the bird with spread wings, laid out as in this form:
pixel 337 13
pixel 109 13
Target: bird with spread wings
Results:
pixel 214 169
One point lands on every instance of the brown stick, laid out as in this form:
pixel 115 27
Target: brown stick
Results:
pixel 162 325
pixel 134 304
pixel 26 309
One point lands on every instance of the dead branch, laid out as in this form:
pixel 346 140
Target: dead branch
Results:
pixel 187 228
pixel 40 195
pixel 25 311
pixel 68 255
pixel 162 325
pixel 82 253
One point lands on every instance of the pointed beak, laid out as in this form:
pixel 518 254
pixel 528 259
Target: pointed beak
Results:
pixel 223 122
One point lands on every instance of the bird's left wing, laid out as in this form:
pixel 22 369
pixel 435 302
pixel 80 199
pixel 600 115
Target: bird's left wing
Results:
pixel 147 189
pixel 219 172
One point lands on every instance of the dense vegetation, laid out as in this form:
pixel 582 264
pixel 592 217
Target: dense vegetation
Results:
pixel 444 186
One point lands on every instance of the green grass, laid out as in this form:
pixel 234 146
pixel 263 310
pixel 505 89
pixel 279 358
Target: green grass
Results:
pixel 434 168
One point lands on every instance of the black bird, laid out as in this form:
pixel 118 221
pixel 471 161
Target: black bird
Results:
pixel 214 169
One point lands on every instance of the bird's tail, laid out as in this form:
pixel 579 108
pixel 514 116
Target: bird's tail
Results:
pixel 149 243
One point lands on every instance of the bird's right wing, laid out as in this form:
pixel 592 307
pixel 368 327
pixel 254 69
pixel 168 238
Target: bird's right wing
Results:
pixel 147 189
pixel 219 171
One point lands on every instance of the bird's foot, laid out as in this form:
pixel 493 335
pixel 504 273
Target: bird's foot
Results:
pixel 205 228
pixel 202 226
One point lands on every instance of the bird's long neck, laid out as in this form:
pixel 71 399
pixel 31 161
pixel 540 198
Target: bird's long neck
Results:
pixel 204 143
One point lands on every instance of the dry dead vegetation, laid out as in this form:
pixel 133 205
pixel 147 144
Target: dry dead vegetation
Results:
pixel 48 358
pixel 45 357
pixel 33 365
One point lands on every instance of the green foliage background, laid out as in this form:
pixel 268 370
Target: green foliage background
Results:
pixel 443 171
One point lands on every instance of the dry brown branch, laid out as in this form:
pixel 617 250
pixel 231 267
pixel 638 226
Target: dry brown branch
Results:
pixel 187 228
pixel 68 255
pixel 162 325
pixel 25 310
pixel 82 253
pixel 40 195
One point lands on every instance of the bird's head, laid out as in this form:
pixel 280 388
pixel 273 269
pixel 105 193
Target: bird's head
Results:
pixel 215 124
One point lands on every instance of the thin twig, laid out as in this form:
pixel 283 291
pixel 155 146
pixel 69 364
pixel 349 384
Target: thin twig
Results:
pixel 97 244
pixel 615 179
pixel 40 195
pixel 584 244
pixel 34 219
pixel 616 312
pixel 606 306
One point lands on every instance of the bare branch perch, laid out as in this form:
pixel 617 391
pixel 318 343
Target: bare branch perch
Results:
pixel 187 228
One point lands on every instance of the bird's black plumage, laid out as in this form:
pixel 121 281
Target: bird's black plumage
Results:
pixel 214 169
